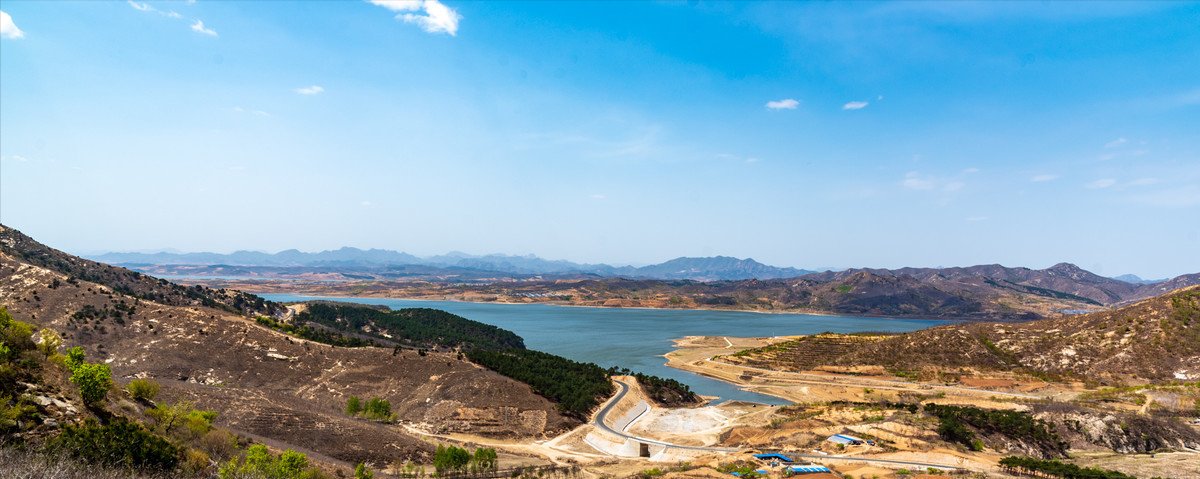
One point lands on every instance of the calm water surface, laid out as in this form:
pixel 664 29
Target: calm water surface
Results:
pixel 638 338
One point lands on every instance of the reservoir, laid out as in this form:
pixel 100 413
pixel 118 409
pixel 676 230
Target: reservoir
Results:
pixel 638 338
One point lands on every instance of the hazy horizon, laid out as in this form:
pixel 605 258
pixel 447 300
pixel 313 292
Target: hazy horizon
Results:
pixel 820 268
pixel 798 134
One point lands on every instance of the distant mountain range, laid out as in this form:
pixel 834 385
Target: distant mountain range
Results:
pixel 715 268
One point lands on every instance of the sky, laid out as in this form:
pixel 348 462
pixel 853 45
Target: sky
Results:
pixel 807 134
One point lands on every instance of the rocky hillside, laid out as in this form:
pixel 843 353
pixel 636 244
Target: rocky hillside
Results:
pixel 131 283
pixel 1154 340
pixel 263 384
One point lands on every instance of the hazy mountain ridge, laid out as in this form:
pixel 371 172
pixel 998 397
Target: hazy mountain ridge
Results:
pixel 700 269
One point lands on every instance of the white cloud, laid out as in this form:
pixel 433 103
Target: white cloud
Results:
pixel 146 7
pixel 971 171
pixel 199 27
pixel 1102 183
pixel 1115 143
pixel 855 105
pixel 366 203
pixel 8 29
pixel 976 218
pixel 914 181
pixel 309 90
pixel 1043 178
pixel 784 104
pixel 1144 182
pixel 598 196
pixel 431 15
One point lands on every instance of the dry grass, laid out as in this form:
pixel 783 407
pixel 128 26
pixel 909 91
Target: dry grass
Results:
pixel 24 464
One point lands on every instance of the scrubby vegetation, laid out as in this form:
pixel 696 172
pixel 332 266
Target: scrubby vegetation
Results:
pixel 960 424
pixel 452 459
pixel 320 335
pixel 120 443
pixel 375 409
pixel 1053 468
pixel 142 389
pixel 576 387
pixel 259 463
pixel 664 391
pixel 422 327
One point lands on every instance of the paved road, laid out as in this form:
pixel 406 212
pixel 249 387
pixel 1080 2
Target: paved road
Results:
pixel 598 422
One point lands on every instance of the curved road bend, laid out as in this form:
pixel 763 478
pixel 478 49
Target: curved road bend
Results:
pixel 598 422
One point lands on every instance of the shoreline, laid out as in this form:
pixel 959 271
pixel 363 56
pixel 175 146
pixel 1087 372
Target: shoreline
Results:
pixel 650 308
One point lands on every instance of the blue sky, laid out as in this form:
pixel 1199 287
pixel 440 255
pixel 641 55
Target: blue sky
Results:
pixel 801 134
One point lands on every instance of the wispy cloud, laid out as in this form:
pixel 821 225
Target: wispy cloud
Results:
pixel 431 15
pixel 199 27
pixel 365 203
pixel 1043 178
pixel 1115 143
pixel 146 7
pixel 598 196
pixel 19 158
pixel 855 105
pixel 1102 183
pixel 744 159
pixel 1170 198
pixel 309 90
pixel 250 111
pixel 971 171
pixel 919 182
pixel 975 219
pixel 915 181
pixel 1145 182
pixel 8 29
pixel 784 104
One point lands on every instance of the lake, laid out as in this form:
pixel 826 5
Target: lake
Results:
pixel 638 338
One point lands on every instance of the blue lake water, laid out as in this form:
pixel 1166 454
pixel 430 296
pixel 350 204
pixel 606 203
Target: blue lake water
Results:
pixel 638 338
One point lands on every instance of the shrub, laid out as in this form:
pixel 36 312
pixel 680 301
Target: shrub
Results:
pixel 142 389
pixel 378 409
pixel 450 458
pixel 120 443
pixel 93 381
pixel 259 463
pixel 361 472
pixel 50 342
pixel 176 418
pixel 75 357
pixel 353 406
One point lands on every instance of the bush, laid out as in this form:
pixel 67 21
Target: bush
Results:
pixel 450 458
pixel 259 463
pixel 353 406
pixel 361 472
pixel 93 380
pixel 142 389
pixel 378 409
pixel 75 357
pixel 50 342
pixel 120 444
pixel 175 419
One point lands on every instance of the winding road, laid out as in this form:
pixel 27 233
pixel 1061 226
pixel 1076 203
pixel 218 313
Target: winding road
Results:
pixel 598 422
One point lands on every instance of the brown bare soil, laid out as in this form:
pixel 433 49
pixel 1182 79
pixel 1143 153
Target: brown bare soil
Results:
pixel 272 386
